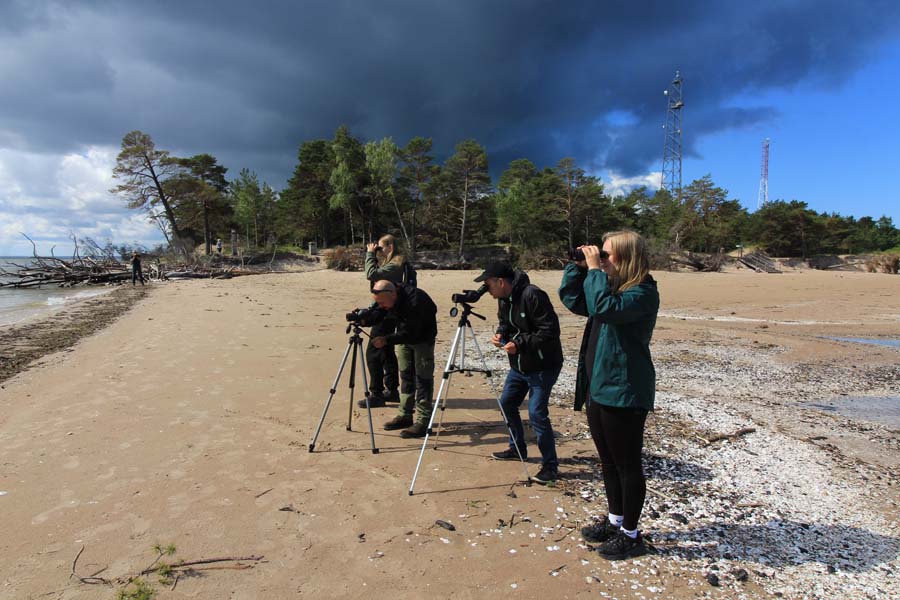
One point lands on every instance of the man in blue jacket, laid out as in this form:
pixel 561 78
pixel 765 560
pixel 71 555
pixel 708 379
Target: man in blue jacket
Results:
pixel 529 334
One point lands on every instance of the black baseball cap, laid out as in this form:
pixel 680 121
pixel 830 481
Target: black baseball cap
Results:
pixel 497 269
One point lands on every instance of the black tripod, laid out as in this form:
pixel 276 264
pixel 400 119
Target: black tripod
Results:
pixel 356 344
pixel 459 344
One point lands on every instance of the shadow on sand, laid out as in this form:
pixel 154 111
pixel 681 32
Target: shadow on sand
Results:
pixel 782 543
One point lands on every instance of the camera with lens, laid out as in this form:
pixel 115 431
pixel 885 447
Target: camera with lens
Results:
pixel 469 296
pixel 366 317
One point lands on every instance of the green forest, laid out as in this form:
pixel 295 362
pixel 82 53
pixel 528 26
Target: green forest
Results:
pixel 346 191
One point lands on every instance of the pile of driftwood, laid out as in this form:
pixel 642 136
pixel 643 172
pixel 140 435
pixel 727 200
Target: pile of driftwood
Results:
pixel 89 270
pixel 45 271
pixel 697 261
pixel 198 271
pixel 95 265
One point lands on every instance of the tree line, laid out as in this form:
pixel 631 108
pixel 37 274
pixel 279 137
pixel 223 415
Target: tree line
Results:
pixel 347 191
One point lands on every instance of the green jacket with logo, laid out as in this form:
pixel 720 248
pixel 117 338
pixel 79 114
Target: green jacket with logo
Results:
pixel 528 320
pixel 622 374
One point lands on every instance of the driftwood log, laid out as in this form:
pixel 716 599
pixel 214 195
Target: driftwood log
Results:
pixel 699 262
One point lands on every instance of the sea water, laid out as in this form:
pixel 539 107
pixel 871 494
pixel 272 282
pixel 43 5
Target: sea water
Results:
pixel 880 409
pixel 874 341
pixel 18 305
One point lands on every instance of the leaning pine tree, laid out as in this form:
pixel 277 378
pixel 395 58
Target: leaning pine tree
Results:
pixel 143 171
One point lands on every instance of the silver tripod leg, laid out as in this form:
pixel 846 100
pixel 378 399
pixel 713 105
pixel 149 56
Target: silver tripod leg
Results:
pixel 365 378
pixel 356 346
pixel 312 444
pixel 490 375
pixel 445 379
pixel 462 368
pixel 352 384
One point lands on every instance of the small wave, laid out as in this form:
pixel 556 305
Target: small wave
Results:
pixel 61 300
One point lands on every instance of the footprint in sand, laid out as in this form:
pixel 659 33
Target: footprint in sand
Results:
pixel 140 526
pixel 178 504
pixel 66 501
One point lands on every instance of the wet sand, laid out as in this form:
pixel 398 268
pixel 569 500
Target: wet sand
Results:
pixel 187 421
pixel 28 341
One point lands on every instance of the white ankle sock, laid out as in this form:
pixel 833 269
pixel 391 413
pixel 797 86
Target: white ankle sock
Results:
pixel 630 533
pixel 616 519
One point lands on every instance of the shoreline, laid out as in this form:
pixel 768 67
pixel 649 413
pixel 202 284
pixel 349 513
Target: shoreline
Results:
pixel 28 341
pixel 54 304
pixel 194 431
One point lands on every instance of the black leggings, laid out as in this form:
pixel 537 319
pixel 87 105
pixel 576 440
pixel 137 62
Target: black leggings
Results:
pixel 619 436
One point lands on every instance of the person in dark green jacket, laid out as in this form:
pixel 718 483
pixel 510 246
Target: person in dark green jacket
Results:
pixel 384 380
pixel 616 378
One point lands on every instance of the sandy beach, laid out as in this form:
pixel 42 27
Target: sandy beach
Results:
pixel 187 421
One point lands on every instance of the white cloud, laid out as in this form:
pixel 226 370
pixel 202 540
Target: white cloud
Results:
pixel 51 197
pixel 84 180
pixel 615 185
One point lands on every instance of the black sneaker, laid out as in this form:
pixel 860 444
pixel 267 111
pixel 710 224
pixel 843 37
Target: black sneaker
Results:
pixel 546 475
pixel 375 401
pixel 416 430
pixel 623 546
pixel 398 422
pixel 508 454
pixel 393 396
pixel 599 532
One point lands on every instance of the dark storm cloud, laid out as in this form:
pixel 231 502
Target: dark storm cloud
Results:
pixel 532 79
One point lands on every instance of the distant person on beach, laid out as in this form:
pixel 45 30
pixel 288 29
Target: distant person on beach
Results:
pixel 616 377
pixel 529 334
pixel 416 319
pixel 384 379
pixel 136 272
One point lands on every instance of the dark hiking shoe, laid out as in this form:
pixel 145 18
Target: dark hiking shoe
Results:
pixel 508 454
pixel 599 532
pixel 375 401
pixel 622 546
pixel 398 422
pixel 416 430
pixel 393 396
pixel 546 475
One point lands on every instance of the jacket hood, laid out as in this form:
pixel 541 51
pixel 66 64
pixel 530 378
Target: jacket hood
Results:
pixel 519 283
pixel 648 280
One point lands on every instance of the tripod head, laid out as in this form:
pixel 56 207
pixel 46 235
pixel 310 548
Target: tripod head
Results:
pixel 466 311
pixel 356 327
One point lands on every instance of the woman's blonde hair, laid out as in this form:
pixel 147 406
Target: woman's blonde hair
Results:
pixel 632 262
pixel 394 255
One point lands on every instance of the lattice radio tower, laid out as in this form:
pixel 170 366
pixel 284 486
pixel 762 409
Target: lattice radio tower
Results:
pixel 763 198
pixel 671 169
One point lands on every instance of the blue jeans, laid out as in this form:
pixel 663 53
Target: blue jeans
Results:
pixel 538 386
